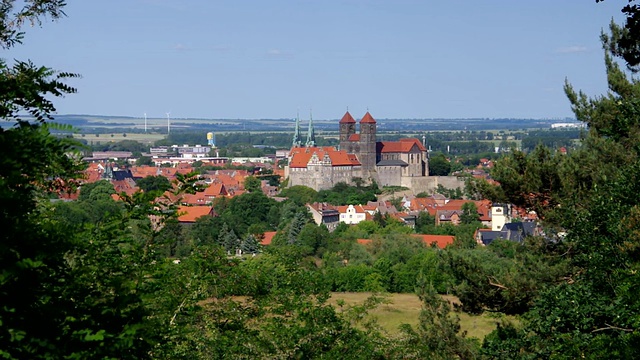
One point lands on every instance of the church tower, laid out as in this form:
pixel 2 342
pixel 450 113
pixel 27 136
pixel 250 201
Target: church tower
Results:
pixel 368 143
pixel 311 134
pixel 347 128
pixel 297 139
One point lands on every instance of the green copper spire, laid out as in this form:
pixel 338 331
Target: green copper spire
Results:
pixel 297 142
pixel 311 135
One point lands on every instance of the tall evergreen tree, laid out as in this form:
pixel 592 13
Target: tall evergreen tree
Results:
pixel 228 239
pixel 593 195
pixel 300 219
pixel 250 244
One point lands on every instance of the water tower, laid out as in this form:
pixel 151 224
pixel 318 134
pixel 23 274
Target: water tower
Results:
pixel 211 139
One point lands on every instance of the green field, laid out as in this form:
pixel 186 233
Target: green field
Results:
pixel 405 309
pixel 147 138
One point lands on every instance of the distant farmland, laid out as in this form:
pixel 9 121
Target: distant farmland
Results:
pixel 145 138
pixel 114 124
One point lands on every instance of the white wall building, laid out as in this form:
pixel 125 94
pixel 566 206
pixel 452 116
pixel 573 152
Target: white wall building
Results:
pixel 352 214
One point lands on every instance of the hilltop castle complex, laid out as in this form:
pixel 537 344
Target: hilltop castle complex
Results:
pixel 360 156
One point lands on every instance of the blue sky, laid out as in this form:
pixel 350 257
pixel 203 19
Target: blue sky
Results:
pixel 267 59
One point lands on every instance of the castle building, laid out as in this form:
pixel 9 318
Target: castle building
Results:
pixel 360 157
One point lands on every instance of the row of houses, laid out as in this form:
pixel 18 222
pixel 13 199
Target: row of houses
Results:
pixel 228 183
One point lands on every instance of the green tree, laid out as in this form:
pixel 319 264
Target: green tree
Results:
pixel 300 194
pixel 99 190
pixel 252 184
pixel 300 219
pixel 623 41
pixel 439 165
pixel 314 237
pixel 33 249
pixel 449 193
pixel 228 239
pixel 171 242
pixel 145 160
pixel 156 183
pixel 438 333
pixel 205 231
pixel 592 313
pixel 469 213
pixel 250 244
pixel 425 222
pixel 248 209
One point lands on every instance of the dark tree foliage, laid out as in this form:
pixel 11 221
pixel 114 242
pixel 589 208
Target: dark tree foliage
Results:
pixel 144 160
pixel 439 165
pixel 157 183
pixel 343 194
pixel 248 209
pixel 250 244
pixel 300 194
pixel 449 193
pixel 228 239
pixel 124 145
pixel 593 311
pixel 624 41
pixel 252 184
pixel 505 277
pixel 438 334
pixel 469 213
pixel 530 180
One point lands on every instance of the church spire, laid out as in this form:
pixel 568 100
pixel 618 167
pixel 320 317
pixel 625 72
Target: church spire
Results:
pixel 311 135
pixel 297 141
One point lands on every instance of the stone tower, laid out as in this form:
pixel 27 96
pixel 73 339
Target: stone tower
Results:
pixel 347 128
pixel 367 153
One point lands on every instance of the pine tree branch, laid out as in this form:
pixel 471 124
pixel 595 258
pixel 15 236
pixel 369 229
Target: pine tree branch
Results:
pixel 611 327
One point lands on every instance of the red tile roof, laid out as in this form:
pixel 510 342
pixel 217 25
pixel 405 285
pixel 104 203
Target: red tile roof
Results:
pixel 414 141
pixel 354 137
pixel 127 186
pixel 268 237
pixel 401 146
pixel 169 173
pixel 144 171
pixel 301 157
pixel 347 119
pixel 215 189
pixel 358 208
pixel 423 204
pixel 441 241
pixel 189 214
pixel 93 173
pixel 198 198
pixel 367 119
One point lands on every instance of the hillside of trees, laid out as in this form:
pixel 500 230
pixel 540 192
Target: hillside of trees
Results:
pixel 103 279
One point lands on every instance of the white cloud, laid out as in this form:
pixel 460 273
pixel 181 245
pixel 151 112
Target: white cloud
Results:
pixel 279 54
pixel 571 49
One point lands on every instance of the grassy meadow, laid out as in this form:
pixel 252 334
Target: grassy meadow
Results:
pixel 401 309
pixel 145 138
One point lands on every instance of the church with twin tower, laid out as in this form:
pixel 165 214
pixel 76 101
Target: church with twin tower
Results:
pixel 360 158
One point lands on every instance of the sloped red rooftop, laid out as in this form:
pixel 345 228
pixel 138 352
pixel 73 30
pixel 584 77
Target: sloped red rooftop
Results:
pixel 347 119
pixel 367 119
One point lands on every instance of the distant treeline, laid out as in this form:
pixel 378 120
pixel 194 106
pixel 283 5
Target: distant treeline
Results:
pixel 553 139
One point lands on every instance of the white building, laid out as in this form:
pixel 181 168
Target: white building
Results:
pixel 352 214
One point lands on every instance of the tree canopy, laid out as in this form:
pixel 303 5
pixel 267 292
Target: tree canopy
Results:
pixel 591 196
